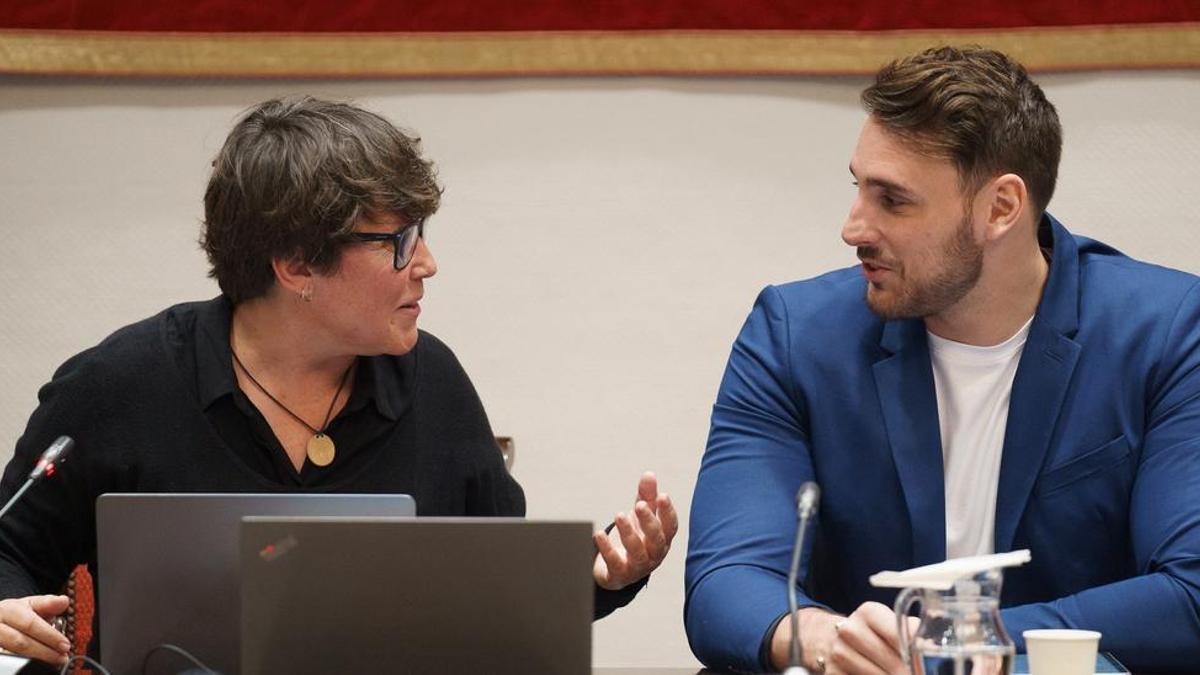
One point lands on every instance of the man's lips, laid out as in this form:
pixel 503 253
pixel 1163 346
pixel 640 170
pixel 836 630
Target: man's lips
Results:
pixel 874 271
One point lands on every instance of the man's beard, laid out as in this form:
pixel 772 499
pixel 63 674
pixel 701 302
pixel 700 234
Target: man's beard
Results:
pixel 962 264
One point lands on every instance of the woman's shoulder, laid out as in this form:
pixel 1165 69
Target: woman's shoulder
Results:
pixel 433 366
pixel 430 346
pixel 136 350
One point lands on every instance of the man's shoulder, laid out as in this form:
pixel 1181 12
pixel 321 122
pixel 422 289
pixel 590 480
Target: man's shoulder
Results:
pixel 1108 275
pixel 824 319
pixel 835 283
pixel 838 295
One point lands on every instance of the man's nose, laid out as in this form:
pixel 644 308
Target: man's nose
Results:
pixel 856 231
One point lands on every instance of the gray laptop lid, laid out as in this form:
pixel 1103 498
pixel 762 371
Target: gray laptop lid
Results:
pixel 431 595
pixel 168 569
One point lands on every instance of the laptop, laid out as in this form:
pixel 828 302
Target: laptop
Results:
pixel 428 596
pixel 168 570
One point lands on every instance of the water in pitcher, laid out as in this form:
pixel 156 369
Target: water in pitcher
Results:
pixel 976 660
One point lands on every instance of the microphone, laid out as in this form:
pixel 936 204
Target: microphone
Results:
pixel 807 499
pixel 46 466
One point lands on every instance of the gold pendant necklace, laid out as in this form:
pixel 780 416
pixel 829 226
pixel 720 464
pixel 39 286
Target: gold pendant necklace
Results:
pixel 319 449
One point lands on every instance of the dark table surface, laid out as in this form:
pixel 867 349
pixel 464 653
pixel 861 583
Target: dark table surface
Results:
pixel 637 670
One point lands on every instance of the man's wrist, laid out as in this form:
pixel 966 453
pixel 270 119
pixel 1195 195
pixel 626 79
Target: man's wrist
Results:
pixel 817 633
pixel 766 650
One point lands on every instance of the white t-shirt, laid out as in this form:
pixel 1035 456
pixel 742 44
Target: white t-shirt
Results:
pixel 973 387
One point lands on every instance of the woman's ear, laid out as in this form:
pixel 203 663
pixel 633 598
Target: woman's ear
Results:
pixel 294 275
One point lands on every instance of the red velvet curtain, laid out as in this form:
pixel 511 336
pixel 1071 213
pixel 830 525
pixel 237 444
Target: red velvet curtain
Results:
pixel 372 16
pixel 378 38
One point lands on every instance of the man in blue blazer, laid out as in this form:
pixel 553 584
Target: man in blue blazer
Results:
pixel 985 381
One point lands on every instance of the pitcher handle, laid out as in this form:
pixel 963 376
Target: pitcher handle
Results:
pixel 904 602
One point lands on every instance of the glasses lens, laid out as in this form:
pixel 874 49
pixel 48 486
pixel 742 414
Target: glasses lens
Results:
pixel 406 245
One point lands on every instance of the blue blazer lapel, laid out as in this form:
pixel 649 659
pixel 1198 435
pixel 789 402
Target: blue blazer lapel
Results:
pixel 1040 386
pixel 904 381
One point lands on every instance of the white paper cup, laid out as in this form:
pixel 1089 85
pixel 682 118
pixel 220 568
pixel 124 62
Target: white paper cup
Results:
pixel 1060 651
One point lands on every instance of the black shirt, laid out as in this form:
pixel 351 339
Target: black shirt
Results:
pixel 155 408
pixel 380 395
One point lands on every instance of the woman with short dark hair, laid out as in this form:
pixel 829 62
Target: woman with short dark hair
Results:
pixel 308 373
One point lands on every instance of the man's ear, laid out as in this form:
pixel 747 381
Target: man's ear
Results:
pixel 1006 201
pixel 294 276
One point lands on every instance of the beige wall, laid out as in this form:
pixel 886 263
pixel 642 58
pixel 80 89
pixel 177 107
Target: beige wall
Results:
pixel 600 244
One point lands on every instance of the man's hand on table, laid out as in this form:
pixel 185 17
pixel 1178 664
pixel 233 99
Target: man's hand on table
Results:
pixel 864 643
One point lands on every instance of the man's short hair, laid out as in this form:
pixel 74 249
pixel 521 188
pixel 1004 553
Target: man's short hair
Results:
pixel 976 107
pixel 293 178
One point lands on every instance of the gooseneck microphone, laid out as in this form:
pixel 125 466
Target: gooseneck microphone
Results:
pixel 807 499
pixel 47 464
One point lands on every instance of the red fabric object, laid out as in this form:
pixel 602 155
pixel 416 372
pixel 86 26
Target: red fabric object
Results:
pixel 85 608
pixel 566 15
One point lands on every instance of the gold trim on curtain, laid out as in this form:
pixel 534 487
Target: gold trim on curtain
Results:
pixel 497 54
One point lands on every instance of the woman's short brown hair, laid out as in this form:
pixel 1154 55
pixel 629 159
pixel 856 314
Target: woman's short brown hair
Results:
pixel 976 107
pixel 294 176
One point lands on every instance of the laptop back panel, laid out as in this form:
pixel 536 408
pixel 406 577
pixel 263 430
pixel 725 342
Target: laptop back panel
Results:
pixel 486 595
pixel 168 569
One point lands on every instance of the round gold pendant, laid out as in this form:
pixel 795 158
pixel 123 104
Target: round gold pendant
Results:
pixel 320 450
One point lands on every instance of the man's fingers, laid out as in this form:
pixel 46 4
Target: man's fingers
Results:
pixel 868 647
pixel 647 488
pixel 845 660
pixel 882 620
pixel 870 631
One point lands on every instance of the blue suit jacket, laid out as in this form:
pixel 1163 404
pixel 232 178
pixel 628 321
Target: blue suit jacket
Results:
pixel 1100 475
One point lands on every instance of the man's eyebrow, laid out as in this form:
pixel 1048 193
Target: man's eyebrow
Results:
pixel 884 183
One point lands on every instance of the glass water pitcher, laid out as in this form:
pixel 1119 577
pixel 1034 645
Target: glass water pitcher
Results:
pixel 960 632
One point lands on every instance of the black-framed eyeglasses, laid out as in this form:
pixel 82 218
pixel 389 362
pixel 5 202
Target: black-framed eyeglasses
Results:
pixel 404 241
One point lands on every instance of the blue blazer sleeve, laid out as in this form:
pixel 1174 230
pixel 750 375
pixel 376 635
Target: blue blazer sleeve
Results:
pixel 1153 619
pixel 743 513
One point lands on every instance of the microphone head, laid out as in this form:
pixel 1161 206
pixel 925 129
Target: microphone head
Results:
pixel 807 498
pixel 54 455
